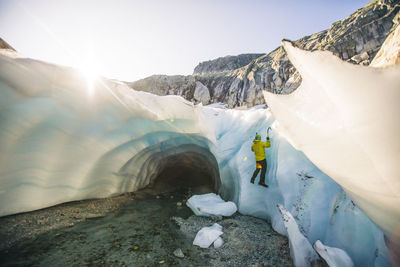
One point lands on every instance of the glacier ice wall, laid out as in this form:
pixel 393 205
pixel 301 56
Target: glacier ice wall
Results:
pixel 345 119
pixel 319 205
pixel 61 140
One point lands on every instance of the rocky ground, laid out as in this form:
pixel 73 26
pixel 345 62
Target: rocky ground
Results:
pixel 248 241
pixel 140 229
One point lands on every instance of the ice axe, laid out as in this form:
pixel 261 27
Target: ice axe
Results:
pixel 269 128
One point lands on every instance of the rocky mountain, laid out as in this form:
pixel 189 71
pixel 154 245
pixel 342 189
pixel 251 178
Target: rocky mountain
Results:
pixel 356 39
pixel 4 45
pixel 225 63
pixel 167 85
pixel 389 54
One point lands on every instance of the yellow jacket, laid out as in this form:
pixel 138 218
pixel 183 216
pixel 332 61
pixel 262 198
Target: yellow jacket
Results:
pixel 258 149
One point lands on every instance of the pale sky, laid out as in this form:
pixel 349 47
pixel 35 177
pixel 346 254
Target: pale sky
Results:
pixel 132 39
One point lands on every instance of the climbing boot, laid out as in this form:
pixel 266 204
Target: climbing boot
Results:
pixel 263 184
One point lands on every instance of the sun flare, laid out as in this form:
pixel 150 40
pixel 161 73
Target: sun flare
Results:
pixel 89 68
pixel 91 75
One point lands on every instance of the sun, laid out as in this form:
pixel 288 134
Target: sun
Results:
pixel 91 76
pixel 89 68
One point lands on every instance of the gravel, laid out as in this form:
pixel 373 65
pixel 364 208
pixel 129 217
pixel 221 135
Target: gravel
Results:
pixel 248 241
pixel 136 229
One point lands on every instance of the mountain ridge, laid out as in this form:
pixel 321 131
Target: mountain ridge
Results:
pixel 355 39
pixel 225 63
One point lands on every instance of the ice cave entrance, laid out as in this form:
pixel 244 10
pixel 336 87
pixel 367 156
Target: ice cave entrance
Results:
pixel 186 168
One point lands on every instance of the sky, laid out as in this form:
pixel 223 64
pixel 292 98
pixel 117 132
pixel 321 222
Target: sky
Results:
pixel 131 39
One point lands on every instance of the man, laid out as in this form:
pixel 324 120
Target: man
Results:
pixel 258 149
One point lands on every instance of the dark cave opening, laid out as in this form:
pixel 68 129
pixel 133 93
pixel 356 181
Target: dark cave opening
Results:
pixel 168 167
pixel 188 171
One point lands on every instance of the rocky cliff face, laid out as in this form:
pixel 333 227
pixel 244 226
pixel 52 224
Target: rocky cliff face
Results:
pixel 356 39
pixel 225 63
pixel 167 85
pixel 389 54
pixel 4 45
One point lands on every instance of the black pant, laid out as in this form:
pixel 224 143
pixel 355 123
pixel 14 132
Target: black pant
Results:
pixel 263 164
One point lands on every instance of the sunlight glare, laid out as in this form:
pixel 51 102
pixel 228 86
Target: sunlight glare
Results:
pixel 90 70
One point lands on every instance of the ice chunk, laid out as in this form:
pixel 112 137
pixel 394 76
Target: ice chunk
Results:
pixel 344 118
pixel 218 243
pixel 300 248
pixel 211 204
pixel 335 257
pixel 207 235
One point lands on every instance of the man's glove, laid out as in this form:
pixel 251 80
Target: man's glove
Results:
pixel 267 138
